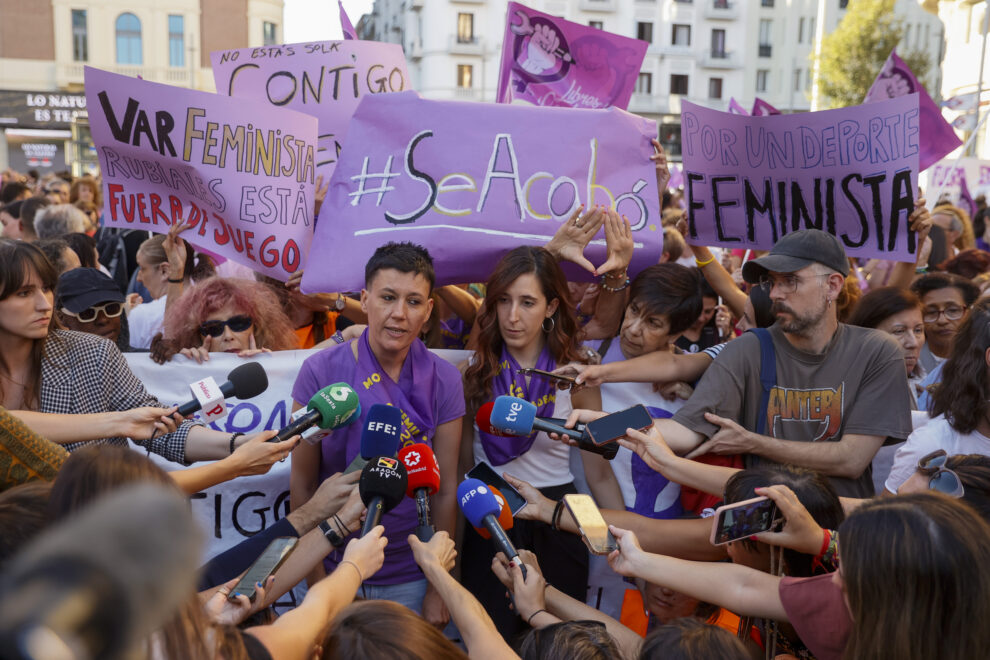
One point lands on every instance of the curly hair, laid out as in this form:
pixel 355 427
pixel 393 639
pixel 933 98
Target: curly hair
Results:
pixel 962 395
pixel 561 340
pixel 88 183
pixel 272 328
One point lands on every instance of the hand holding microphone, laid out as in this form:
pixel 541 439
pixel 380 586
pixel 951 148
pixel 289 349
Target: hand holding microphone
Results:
pixel 382 486
pixel 330 408
pixel 481 508
pixel 244 382
pixel 514 416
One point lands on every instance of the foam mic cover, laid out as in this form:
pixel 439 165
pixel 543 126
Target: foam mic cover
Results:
pixel 422 469
pixel 504 516
pixel 515 416
pixel 483 418
pixel 382 431
pixel 330 408
pixel 382 486
pixel 481 508
pixel 244 382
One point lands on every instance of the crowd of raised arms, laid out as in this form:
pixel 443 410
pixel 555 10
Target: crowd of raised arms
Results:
pixel 847 397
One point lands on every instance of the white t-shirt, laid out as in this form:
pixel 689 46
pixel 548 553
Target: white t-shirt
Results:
pixel 936 434
pixel 145 321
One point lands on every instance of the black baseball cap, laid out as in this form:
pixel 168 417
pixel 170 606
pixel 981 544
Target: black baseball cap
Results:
pixel 798 250
pixel 81 288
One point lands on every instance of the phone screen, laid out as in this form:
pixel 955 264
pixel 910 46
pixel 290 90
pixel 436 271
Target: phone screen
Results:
pixel 266 564
pixel 743 519
pixel 594 529
pixel 612 427
pixel 546 374
pixel 486 474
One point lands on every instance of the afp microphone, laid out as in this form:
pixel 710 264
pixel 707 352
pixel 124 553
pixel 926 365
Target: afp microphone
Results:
pixel 244 382
pixel 504 515
pixel 382 486
pixel 480 507
pixel 514 416
pixel 382 431
pixel 330 408
pixel 424 480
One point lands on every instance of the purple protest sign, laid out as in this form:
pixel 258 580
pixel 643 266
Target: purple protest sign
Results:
pixel 763 109
pixel 852 172
pixel 549 61
pixel 735 108
pixel 937 137
pixel 241 174
pixel 472 180
pixel 325 79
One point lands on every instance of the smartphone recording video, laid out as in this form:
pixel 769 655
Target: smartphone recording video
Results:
pixel 743 519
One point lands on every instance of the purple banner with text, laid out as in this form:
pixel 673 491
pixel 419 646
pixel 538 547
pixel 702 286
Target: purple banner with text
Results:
pixel 852 172
pixel 549 61
pixel 470 181
pixel 241 173
pixel 326 79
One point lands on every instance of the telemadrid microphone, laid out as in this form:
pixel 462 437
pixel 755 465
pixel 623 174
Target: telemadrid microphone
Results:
pixel 481 508
pixel 332 407
pixel 382 486
pixel 424 480
pixel 243 382
pixel 504 515
pixel 514 416
pixel 382 431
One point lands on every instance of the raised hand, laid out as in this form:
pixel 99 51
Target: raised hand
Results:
pixel 572 237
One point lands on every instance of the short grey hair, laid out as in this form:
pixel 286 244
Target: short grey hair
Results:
pixel 59 220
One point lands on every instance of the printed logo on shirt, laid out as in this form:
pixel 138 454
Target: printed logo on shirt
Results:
pixel 823 406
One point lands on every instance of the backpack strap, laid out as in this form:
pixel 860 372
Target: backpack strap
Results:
pixel 768 374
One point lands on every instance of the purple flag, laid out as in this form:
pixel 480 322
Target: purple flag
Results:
pixel 472 180
pixel 676 177
pixel 241 173
pixel 852 172
pixel 345 23
pixel 549 61
pixel 763 109
pixel 937 137
pixel 735 108
pixel 965 198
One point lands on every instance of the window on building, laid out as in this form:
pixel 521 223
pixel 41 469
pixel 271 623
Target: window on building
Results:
pixel 807 80
pixel 714 88
pixel 176 41
pixel 598 25
pixel 129 40
pixel 797 80
pixel 644 83
pixel 811 30
pixel 762 79
pixel 721 4
pixel 718 43
pixel 678 83
pixel 465 28
pixel 644 31
pixel 843 4
pixel 670 138
pixel 766 3
pixel 766 27
pixel 680 35
pixel 269 36
pixel 801 30
pixel 464 75
pixel 80 38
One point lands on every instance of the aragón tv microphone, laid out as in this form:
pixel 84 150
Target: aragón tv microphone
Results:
pixel 330 408
pixel 481 508
pixel 243 382
pixel 382 486
pixel 382 431
pixel 424 480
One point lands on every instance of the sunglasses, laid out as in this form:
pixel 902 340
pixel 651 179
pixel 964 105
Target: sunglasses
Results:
pixel 111 310
pixel 238 323
pixel 941 478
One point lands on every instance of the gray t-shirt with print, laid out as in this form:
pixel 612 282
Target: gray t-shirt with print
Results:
pixel 857 386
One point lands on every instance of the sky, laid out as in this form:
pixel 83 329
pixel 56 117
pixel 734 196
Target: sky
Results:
pixel 319 20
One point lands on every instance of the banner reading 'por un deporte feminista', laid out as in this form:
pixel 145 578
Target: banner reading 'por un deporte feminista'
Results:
pixel 241 173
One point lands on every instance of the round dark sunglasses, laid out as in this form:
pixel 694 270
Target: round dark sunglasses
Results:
pixel 238 323
pixel 940 478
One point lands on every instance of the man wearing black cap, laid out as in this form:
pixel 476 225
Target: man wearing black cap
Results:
pixel 90 301
pixel 840 390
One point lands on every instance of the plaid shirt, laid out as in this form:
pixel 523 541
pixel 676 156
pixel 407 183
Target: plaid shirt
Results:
pixel 84 373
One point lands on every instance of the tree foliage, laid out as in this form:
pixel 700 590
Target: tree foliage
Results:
pixel 852 55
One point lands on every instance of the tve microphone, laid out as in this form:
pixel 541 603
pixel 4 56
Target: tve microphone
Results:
pixel 382 431
pixel 382 486
pixel 480 507
pixel 330 408
pixel 483 418
pixel 244 382
pixel 424 480
pixel 504 516
pixel 515 416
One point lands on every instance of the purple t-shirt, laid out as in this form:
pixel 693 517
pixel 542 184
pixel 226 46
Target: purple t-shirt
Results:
pixel 337 364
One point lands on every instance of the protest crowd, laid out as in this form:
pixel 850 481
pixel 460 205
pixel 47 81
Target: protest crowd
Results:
pixel 607 445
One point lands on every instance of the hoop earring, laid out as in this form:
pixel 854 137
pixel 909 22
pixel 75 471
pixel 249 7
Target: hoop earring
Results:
pixel 553 324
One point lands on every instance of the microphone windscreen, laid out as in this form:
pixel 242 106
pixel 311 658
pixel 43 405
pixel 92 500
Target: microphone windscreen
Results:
pixel 383 477
pixel 476 501
pixel 249 380
pixel 504 516
pixel 338 405
pixel 382 431
pixel 422 468
pixel 513 415
pixel 483 418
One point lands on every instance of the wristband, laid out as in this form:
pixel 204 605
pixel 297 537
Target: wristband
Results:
pixel 233 438
pixel 337 337
pixel 702 264
pixel 348 561
pixel 335 539
pixel 340 523
pixel 555 518
pixel 827 537
pixel 612 289
pixel 528 621
pixel 178 281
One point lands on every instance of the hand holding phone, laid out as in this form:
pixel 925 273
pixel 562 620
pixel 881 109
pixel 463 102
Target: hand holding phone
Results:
pixel 267 563
pixel 484 473
pixel 612 427
pixel 560 379
pixel 743 519
pixel 591 524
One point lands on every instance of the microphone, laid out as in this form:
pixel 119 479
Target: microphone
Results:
pixel 424 480
pixel 514 416
pixel 243 382
pixel 483 418
pixel 382 486
pixel 330 408
pixel 480 507
pixel 504 515
pixel 97 584
pixel 382 431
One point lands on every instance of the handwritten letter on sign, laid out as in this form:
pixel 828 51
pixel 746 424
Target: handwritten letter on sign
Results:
pixel 470 181
pixel 851 172
pixel 242 174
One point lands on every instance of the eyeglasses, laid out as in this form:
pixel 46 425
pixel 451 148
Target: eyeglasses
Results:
pixel 238 323
pixel 785 283
pixel 952 313
pixel 941 478
pixel 111 310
